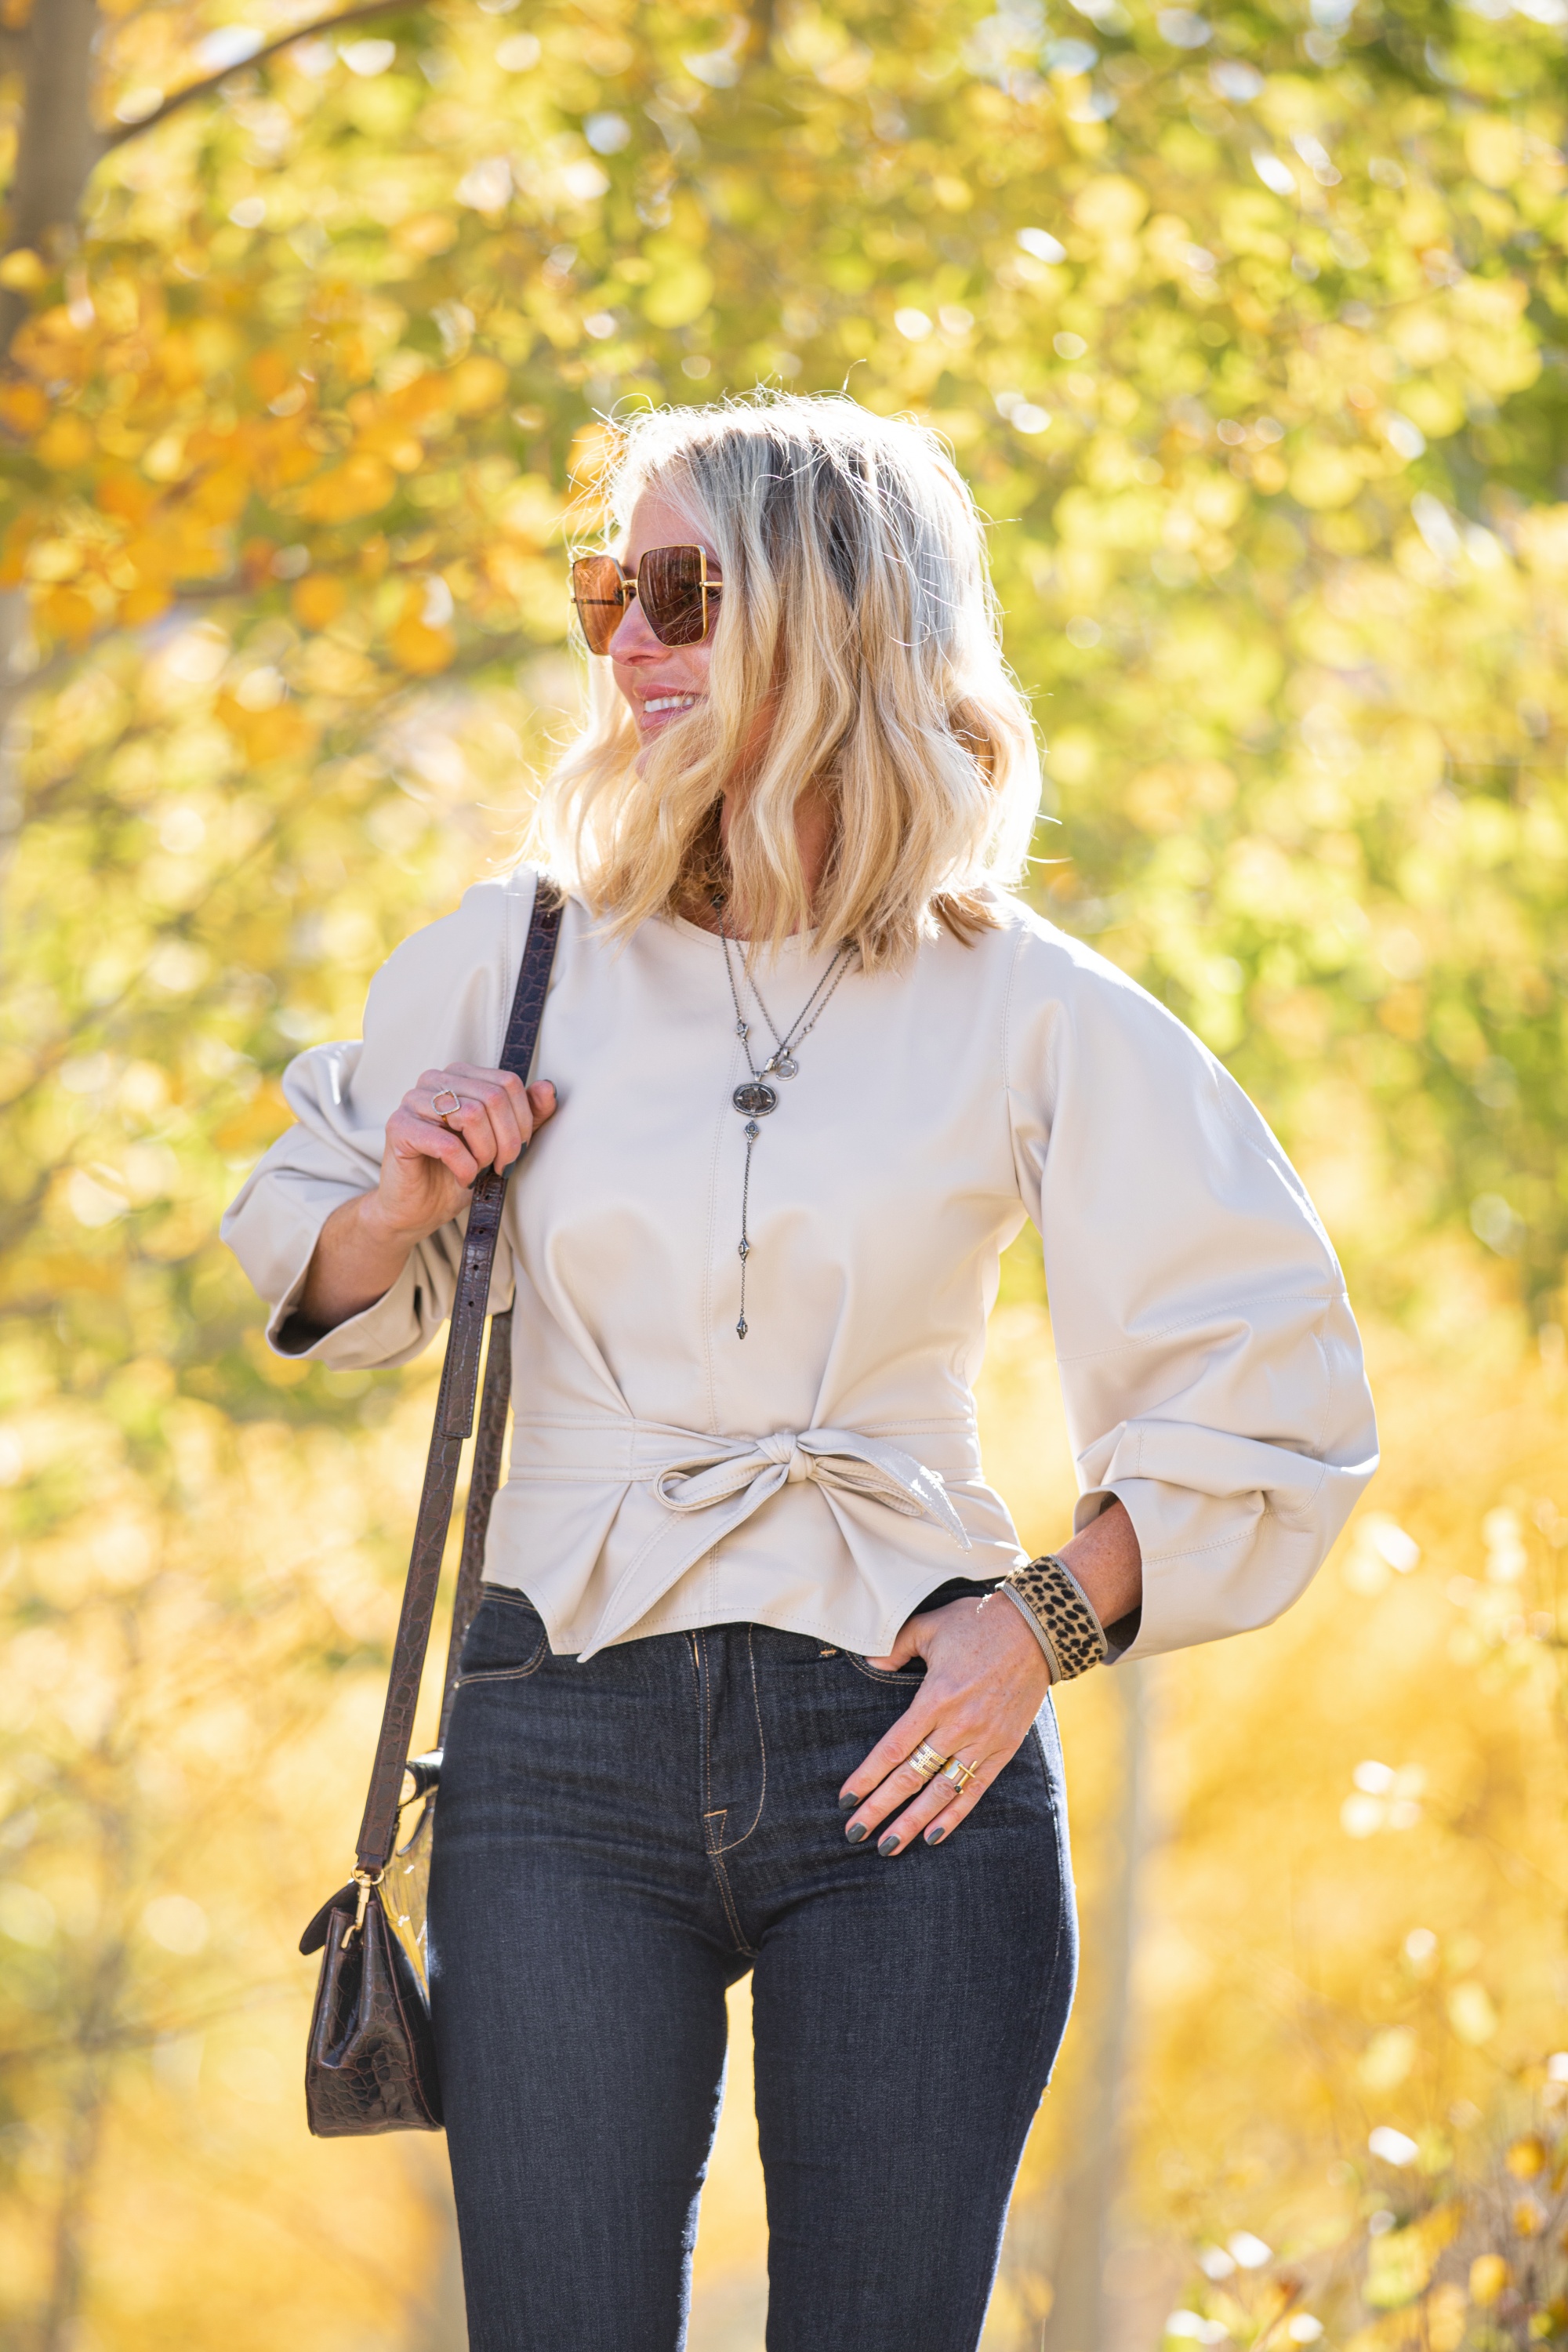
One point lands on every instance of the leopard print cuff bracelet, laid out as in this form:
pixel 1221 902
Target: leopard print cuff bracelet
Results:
pixel 1064 1624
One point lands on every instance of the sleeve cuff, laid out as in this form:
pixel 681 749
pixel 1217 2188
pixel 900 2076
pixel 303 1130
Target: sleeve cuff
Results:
pixel 391 1330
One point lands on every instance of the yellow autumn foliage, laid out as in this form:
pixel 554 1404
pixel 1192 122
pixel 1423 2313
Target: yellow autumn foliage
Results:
pixel 1247 334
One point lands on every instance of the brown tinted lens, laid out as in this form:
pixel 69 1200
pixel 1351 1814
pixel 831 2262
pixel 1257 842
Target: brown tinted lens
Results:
pixel 670 590
pixel 600 596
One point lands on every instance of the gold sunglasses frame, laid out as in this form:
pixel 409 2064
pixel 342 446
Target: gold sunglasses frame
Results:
pixel 629 588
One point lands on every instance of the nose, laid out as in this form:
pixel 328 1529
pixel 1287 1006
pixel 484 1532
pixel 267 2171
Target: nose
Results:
pixel 633 641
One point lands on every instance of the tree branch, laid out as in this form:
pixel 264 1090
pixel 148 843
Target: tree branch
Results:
pixel 194 90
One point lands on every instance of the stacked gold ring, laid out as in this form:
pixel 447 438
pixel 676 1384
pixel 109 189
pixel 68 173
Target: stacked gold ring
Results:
pixel 926 1760
pixel 959 1774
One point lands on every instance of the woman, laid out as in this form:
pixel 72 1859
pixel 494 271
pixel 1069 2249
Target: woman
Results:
pixel 810 1069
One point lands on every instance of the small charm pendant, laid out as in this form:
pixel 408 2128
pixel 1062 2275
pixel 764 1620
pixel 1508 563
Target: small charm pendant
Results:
pixel 754 1099
pixel 782 1066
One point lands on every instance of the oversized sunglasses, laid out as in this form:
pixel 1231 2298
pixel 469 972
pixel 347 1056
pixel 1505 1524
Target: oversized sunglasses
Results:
pixel 670 583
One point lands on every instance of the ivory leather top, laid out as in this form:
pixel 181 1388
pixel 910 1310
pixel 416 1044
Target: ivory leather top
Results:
pixel 823 1474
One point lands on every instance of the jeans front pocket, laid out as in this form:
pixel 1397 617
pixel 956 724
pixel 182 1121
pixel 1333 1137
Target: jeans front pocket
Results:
pixel 506 1641
pixel 901 1678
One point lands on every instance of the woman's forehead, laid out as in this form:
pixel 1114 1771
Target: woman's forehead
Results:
pixel 659 519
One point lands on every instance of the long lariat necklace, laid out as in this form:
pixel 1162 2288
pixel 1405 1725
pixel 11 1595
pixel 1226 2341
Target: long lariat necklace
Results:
pixel 755 1098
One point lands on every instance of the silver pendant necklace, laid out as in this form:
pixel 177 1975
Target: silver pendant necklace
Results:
pixel 754 1097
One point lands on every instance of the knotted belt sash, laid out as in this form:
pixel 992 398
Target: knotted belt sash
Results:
pixel 711 1486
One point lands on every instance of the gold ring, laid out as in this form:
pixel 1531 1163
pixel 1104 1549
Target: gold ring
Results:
pixel 959 1774
pixel 926 1760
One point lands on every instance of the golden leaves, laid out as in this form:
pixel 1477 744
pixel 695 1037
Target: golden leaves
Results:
pixel 1110 206
pixel 318 598
pixel 1494 148
pixel 424 234
pixel 22 270
pixel 476 384
pixel 417 644
pixel 360 485
pixel 65 443
pixel 1526 2157
pixel 1326 474
pixel 1400 2262
pixel 221 496
pixel 24 410
pixel 681 287
pixel 278 731
pixel 255 1124
pixel 1164 798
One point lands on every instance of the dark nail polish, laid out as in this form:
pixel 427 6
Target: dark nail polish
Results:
pixel 935 1837
pixel 890 1845
pixel 848 1804
pixel 856 1830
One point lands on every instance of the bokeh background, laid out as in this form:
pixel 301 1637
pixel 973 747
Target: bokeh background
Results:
pixel 1248 327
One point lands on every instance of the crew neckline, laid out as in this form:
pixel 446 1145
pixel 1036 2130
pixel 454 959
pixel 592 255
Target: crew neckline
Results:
pixel 810 942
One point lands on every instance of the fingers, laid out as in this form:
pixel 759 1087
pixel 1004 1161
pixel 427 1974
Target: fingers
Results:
pixel 921 1801
pixel 411 1136
pixel 941 1805
pixel 983 1688
pixel 491 1111
pixel 888 1761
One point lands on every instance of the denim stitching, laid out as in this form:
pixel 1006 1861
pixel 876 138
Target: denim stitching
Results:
pixel 505 1674
pixel 716 1862
pixel 899 1676
pixel 699 1652
pixel 508 1674
pixel 763 1747
pixel 712 1837
pixel 1063 1907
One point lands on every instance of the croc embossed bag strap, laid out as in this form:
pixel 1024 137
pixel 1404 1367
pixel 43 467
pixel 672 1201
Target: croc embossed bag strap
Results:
pixel 370 2060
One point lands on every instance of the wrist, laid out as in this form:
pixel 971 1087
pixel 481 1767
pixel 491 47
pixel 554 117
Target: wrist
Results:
pixel 382 1233
pixel 1061 1615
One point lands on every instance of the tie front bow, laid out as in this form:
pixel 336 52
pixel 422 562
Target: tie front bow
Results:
pixel 838 1459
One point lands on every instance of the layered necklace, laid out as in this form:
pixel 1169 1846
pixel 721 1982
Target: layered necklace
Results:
pixel 755 1098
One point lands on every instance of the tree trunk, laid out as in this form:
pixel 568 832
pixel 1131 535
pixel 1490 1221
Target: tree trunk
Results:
pixel 55 155
pixel 59 145
pixel 1077 2314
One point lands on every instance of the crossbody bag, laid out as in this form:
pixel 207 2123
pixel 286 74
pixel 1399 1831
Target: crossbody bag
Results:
pixel 370 2061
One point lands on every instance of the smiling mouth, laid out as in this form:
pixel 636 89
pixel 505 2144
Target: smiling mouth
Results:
pixel 669 702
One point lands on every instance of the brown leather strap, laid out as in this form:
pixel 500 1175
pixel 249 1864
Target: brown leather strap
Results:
pixel 454 1417
pixel 484 1477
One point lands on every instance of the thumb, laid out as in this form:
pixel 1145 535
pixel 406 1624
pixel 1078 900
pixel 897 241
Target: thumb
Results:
pixel 542 1101
pixel 906 1647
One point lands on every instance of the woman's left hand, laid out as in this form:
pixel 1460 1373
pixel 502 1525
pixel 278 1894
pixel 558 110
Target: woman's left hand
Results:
pixel 984 1681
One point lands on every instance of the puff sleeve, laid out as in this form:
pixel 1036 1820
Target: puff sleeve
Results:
pixel 1211 1369
pixel 442 996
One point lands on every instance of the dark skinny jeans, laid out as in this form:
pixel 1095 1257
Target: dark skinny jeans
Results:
pixel 617 1843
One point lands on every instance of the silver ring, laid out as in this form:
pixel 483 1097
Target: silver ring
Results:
pixel 445 1117
pixel 926 1760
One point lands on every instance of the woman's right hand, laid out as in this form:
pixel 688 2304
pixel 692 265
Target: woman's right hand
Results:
pixel 426 1173
pixel 432 1157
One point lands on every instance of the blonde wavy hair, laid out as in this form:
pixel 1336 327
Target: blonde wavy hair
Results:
pixel 857 607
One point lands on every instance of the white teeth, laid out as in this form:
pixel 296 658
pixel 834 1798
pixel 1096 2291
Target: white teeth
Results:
pixel 671 702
